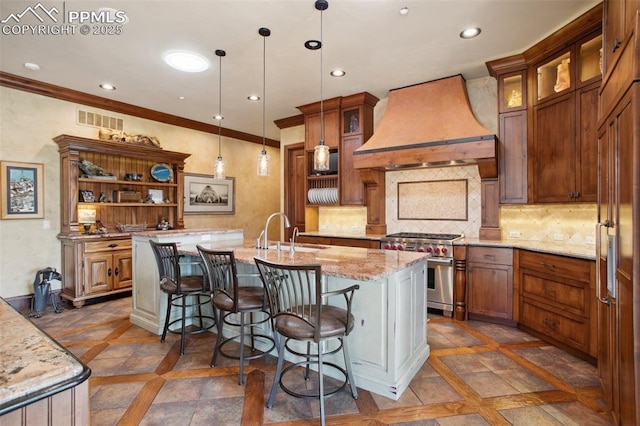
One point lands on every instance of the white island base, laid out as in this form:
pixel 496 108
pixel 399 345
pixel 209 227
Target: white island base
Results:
pixel 388 344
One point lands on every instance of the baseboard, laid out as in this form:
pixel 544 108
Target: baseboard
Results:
pixel 23 303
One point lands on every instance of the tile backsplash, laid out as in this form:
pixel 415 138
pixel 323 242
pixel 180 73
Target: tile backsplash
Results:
pixel 567 223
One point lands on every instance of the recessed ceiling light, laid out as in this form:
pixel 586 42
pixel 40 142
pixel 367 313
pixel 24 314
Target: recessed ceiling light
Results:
pixel 218 117
pixel 404 11
pixel 338 73
pixel 31 66
pixel 470 32
pixel 253 98
pixel 107 86
pixel 186 61
pixel 181 98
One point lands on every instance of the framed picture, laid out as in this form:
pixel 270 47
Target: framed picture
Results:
pixel 22 190
pixel 206 195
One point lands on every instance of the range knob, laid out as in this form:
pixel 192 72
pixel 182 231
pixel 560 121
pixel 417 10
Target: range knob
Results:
pixel 420 249
pixel 436 250
pixel 399 247
pixel 444 250
pixel 429 249
pixel 388 246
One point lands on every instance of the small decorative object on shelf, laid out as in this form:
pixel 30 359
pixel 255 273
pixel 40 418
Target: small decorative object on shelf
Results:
pixel 354 126
pixel 515 99
pixel 87 196
pixel 92 171
pixel 563 80
pixel 114 135
pixel 162 172
pixel 131 227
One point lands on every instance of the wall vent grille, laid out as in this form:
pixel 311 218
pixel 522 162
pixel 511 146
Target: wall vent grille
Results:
pixel 102 121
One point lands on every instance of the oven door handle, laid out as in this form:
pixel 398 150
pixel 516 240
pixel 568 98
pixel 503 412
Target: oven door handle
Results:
pixel 439 262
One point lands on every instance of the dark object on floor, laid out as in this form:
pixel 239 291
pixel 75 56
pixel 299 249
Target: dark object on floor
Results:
pixel 42 292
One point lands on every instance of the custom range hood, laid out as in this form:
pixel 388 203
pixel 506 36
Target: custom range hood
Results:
pixel 429 125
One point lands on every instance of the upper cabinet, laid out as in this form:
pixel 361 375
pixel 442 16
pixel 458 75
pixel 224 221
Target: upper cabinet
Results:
pixel 348 123
pixel 548 110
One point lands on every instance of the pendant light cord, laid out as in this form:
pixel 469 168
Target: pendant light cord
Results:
pixel 264 90
pixel 220 111
pixel 321 98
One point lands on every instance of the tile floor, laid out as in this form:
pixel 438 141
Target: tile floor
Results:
pixel 478 374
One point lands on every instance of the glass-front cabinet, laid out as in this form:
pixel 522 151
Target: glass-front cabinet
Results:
pixel 575 67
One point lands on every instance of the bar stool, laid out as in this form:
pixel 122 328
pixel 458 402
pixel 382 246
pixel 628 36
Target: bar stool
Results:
pixel 299 313
pixel 179 289
pixel 231 303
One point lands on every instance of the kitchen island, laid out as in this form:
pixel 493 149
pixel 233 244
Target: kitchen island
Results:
pixel 389 342
pixel 40 381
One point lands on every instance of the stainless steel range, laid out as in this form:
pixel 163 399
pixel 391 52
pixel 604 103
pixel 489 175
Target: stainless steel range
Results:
pixel 439 248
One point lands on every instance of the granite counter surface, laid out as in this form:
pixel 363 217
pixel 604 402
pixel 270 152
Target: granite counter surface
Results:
pixel 587 252
pixel 358 264
pixel 32 364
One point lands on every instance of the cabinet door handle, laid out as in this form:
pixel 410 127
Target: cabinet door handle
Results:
pixel 490 256
pixel 113 245
pixel 548 265
pixel 117 271
pixel 616 45
pixel 546 289
pixel 549 323
pixel 109 272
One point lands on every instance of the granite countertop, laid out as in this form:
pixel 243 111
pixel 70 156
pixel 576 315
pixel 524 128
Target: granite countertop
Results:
pixel 552 247
pixel 183 232
pixel 358 264
pixel 32 364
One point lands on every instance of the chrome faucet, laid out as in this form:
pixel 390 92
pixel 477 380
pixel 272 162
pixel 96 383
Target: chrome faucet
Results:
pixel 287 224
pixel 292 240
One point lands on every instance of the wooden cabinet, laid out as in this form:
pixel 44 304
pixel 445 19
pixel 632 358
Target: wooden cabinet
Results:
pixel 348 123
pixel 95 265
pixel 490 284
pixel 556 301
pixel 95 268
pixel 618 240
pixel 563 145
pixel 511 76
pixel 548 106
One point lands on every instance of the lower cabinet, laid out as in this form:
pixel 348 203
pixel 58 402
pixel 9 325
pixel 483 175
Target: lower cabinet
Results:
pixel 556 301
pixel 490 284
pixel 95 268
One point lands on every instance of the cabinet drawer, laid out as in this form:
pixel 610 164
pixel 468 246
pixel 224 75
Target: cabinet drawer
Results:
pixel 572 331
pixel 574 297
pixel 107 245
pixel 499 256
pixel 576 269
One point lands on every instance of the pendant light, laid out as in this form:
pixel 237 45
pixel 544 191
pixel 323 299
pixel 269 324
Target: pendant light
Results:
pixel 263 158
pixel 219 171
pixel 321 151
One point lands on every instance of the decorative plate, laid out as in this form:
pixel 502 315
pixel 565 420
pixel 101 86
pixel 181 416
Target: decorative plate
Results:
pixel 162 172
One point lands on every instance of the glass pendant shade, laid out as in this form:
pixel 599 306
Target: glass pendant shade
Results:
pixel 219 172
pixel 264 164
pixel 321 157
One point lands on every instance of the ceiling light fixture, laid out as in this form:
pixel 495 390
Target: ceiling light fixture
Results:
pixel 338 73
pixel 186 61
pixel 263 158
pixel 107 86
pixel 470 32
pixel 253 98
pixel 321 151
pixel 404 11
pixel 31 66
pixel 219 170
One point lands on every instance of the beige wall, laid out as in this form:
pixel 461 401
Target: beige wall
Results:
pixel 28 123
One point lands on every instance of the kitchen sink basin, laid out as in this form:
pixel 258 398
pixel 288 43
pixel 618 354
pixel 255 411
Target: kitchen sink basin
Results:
pixel 300 249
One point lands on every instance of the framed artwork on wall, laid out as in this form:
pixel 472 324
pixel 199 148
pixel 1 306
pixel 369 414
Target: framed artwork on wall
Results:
pixel 205 195
pixel 22 190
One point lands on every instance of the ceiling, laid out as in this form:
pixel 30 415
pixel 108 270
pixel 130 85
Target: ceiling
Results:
pixel 377 47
